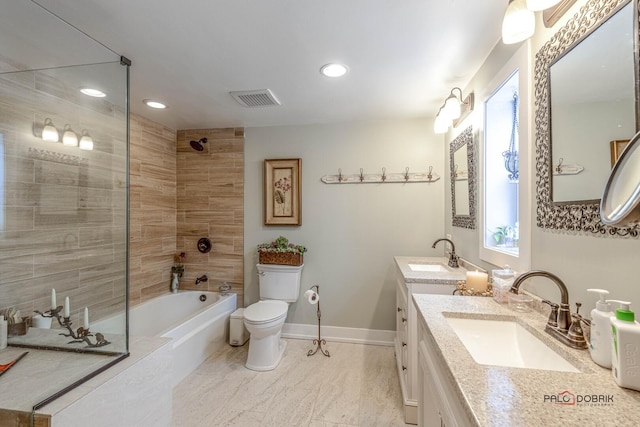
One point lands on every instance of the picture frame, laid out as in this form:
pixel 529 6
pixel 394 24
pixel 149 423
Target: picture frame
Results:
pixel 282 192
pixel 617 146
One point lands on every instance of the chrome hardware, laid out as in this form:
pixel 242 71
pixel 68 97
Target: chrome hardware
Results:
pixel 201 279
pixel 224 288
pixel 453 258
pixel 406 173
pixel 384 174
pixel 262 273
pixel 404 368
pixel 404 344
pixel 559 325
pixel 399 309
pixel 404 320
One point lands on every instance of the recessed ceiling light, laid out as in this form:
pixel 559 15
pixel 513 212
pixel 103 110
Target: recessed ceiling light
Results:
pixel 334 70
pixel 154 104
pixel 93 92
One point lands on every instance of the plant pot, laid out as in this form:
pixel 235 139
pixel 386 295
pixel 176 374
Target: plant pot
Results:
pixel 281 258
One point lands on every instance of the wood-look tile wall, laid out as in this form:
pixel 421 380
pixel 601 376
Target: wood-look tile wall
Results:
pixel 152 214
pixel 210 186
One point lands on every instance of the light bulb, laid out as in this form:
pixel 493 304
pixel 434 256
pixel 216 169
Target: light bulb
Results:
pixel 49 132
pixel 69 137
pixel 334 70
pixel 452 107
pixel 441 123
pixel 86 142
pixel 518 23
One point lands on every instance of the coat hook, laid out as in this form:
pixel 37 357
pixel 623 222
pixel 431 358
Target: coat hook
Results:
pixel 429 175
pixel 339 175
pixel 559 167
pixel 384 174
pixel 406 173
pixel 361 175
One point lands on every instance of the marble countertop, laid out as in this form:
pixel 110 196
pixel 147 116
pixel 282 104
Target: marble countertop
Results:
pixel 451 277
pixel 501 396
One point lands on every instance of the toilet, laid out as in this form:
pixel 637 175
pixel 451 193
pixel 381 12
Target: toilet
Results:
pixel 279 286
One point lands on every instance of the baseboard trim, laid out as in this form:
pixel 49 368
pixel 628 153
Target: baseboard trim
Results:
pixel 339 334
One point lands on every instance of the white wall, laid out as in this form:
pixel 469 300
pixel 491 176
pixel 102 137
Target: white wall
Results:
pixel 352 231
pixel 581 260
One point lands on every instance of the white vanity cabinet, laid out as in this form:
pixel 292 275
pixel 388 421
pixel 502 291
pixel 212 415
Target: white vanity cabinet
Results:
pixel 406 342
pixel 438 402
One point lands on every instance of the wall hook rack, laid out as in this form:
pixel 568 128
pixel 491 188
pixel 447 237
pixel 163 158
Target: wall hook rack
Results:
pixel 381 178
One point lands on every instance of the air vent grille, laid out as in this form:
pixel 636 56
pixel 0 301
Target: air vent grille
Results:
pixel 255 98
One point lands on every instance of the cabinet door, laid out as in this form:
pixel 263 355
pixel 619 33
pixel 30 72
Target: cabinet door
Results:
pixel 428 413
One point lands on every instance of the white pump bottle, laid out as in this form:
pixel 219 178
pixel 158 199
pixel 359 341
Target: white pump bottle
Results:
pixel 601 340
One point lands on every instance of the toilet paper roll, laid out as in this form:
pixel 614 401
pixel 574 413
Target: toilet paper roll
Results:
pixel 312 297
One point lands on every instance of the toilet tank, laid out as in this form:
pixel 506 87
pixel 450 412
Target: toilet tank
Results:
pixel 279 282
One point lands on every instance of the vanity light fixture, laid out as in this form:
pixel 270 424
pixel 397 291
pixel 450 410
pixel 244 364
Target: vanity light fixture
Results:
pixel 96 93
pixel 86 142
pixel 154 104
pixel 334 70
pixel 69 137
pixel 49 131
pixel 454 110
pixel 519 22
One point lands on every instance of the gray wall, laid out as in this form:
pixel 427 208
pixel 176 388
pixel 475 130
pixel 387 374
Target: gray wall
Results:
pixel 352 231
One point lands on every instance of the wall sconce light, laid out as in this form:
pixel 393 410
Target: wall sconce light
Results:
pixel 49 131
pixel 86 142
pixel 454 110
pixel 69 137
pixel 519 20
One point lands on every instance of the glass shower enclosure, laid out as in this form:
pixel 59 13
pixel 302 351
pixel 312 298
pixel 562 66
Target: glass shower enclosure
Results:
pixel 63 207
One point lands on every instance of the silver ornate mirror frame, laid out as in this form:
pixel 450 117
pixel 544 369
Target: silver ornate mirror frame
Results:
pixel 465 138
pixel 573 216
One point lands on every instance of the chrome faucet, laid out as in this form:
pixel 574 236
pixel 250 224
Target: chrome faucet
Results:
pixel 559 324
pixel 201 279
pixel 453 258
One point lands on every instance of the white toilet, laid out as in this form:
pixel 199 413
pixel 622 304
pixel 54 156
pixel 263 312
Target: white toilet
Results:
pixel 279 286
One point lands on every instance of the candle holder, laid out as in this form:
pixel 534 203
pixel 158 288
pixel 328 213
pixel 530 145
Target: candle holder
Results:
pixel 80 335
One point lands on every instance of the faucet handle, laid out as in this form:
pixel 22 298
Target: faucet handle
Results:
pixel 553 316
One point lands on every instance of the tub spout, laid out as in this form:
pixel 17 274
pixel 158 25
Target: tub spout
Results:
pixel 201 279
pixel 174 283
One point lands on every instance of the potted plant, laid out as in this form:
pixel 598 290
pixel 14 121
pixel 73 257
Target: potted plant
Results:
pixel 281 252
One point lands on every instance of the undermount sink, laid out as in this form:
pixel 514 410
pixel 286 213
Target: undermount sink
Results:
pixel 431 267
pixel 506 343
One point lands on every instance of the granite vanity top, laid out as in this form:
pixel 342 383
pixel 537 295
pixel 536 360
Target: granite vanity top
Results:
pixel 502 396
pixel 451 277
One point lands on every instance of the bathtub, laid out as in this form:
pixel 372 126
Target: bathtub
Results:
pixel 198 328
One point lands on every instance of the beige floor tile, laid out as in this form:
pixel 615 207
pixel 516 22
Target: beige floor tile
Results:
pixel 357 386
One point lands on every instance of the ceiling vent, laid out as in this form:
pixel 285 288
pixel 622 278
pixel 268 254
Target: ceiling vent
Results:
pixel 255 98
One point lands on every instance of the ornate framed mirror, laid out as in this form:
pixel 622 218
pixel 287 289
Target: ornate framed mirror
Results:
pixel 463 180
pixel 586 90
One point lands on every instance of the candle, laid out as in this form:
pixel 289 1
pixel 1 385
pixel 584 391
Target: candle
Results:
pixel 477 280
pixel 67 307
pixel 53 299
pixel 86 318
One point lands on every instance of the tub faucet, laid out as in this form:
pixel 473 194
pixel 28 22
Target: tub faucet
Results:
pixel 559 324
pixel 202 278
pixel 453 258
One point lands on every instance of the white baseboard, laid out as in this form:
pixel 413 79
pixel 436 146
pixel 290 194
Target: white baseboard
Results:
pixel 339 334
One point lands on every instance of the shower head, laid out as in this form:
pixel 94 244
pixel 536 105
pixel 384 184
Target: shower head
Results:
pixel 197 145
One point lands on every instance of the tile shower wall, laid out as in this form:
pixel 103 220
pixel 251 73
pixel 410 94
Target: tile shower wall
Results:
pixel 152 198
pixel 210 187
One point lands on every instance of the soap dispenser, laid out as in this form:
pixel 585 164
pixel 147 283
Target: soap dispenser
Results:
pixel 625 354
pixel 601 340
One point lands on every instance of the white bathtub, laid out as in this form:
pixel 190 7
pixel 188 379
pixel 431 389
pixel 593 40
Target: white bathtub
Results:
pixel 198 328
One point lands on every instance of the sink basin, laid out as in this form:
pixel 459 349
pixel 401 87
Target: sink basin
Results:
pixel 506 343
pixel 434 267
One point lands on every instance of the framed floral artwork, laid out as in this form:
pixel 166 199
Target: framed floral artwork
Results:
pixel 282 192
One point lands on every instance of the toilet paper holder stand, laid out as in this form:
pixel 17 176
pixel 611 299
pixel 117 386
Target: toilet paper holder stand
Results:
pixel 319 342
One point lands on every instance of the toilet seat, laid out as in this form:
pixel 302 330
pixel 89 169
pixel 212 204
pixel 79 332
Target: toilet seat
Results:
pixel 265 312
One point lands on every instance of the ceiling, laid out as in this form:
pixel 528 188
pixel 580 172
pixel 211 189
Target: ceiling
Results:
pixel 403 56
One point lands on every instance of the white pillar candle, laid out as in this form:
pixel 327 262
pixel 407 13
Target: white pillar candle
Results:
pixel 53 299
pixel 86 318
pixel 67 307
pixel 477 280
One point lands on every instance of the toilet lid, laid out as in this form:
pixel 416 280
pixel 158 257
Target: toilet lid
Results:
pixel 265 311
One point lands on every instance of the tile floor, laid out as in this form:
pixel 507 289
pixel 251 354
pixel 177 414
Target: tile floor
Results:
pixel 357 386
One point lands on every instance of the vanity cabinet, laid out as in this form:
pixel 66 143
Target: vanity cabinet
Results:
pixel 438 402
pixel 406 341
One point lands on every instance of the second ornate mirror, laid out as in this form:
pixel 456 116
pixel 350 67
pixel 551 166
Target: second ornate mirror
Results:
pixel 463 180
